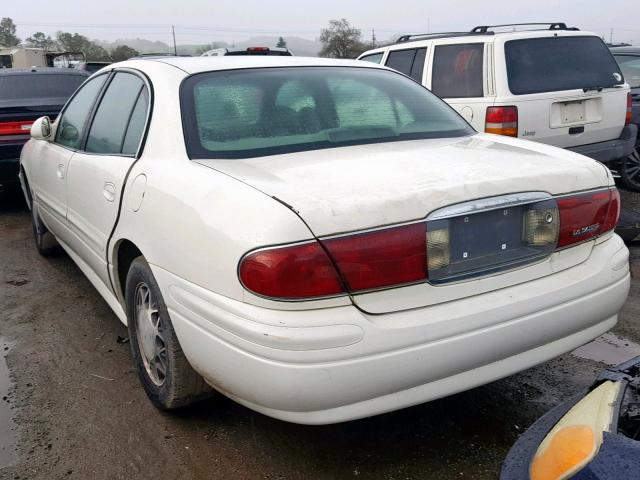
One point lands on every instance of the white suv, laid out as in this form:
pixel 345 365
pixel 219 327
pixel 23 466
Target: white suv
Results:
pixel 558 86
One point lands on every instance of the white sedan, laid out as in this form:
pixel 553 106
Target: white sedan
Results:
pixel 319 240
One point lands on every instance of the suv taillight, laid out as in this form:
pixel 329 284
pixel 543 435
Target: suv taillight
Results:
pixel 502 121
pixel 629 116
pixel 15 128
pixel 410 253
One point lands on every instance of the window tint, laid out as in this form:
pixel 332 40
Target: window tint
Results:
pixel 373 58
pixel 136 125
pixel 630 67
pixel 112 116
pixel 553 64
pixel 269 111
pixel 46 85
pixel 457 71
pixel 409 62
pixel 70 130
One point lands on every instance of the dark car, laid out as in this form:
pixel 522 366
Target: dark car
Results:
pixel 26 95
pixel 593 436
pixel 629 60
pixel 91 67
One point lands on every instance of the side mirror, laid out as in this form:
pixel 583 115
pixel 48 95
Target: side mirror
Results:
pixel 41 129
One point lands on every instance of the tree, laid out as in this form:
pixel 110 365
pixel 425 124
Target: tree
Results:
pixel 40 40
pixel 8 33
pixel 341 40
pixel 123 52
pixel 282 43
pixel 74 42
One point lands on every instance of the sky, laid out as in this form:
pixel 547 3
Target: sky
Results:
pixel 203 21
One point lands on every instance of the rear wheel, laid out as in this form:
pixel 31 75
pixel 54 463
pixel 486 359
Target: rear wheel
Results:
pixel 168 379
pixel 46 243
pixel 630 171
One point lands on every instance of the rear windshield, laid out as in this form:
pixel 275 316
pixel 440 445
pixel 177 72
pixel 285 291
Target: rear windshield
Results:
pixel 552 64
pixel 268 111
pixel 630 66
pixel 39 86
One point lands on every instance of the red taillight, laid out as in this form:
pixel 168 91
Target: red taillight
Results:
pixel 587 215
pixel 377 259
pixel 502 121
pixel 297 271
pixel 258 49
pixel 629 116
pixel 386 257
pixel 15 128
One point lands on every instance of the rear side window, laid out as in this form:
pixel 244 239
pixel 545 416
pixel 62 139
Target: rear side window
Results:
pixel 373 58
pixel 630 69
pixel 458 71
pixel 114 114
pixel 72 123
pixel 553 64
pixel 39 86
pixel 410 62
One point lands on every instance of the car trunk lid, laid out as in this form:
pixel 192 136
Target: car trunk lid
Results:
pixel 357 188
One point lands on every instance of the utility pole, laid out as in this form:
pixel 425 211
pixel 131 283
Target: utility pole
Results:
pixel 611 37
pixel 373 38
pixel 428 24
pixel 175 48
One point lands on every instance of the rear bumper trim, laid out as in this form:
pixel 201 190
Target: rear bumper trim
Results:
pixel 613 149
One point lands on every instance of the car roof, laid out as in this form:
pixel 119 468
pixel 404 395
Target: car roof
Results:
pixel 631 49
pixel 205 64
pixel 43 71
pixel 477 37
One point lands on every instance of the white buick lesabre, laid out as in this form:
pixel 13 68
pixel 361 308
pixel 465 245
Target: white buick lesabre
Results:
pixel 319 240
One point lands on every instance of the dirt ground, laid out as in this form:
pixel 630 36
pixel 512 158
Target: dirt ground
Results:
pixel 73 407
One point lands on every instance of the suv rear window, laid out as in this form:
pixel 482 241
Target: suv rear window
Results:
pixel 39 85
pixel 553 64
pixel 458 71
pixel 269 111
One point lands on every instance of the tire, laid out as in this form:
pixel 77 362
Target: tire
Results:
pixel 46 243
pixel 168 379
pixel 630 171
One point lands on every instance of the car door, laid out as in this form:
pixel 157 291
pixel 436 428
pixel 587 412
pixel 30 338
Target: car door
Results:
pixel 97 174
pixel 49 181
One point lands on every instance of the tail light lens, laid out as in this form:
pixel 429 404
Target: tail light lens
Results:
pixel 629 116
pixel 502 121
pixel 368 260
pixel 418 252
pixel 15 128
pixel 297 271
pixel 587 215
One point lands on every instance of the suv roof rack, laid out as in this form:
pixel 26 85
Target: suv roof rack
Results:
pixel 552 26
pixel 431 36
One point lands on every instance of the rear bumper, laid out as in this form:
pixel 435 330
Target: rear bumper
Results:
pixel 337 364
pixel 10 149
pixel 612 150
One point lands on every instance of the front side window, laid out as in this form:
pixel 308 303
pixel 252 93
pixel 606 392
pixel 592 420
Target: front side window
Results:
pixel 458 71
pixel 114 114
pixel 73 121
pixel 410 62
pixel 268 111
pixel 373 58
pixel 630 66
pixel 553 64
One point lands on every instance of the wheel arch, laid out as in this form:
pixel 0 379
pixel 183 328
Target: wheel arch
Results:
pixel 124 253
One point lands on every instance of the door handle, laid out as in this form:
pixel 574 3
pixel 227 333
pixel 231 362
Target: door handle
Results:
pixel 109 191
pixel 60 171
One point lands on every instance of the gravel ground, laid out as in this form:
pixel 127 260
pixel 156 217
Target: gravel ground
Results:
pixel 77 410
